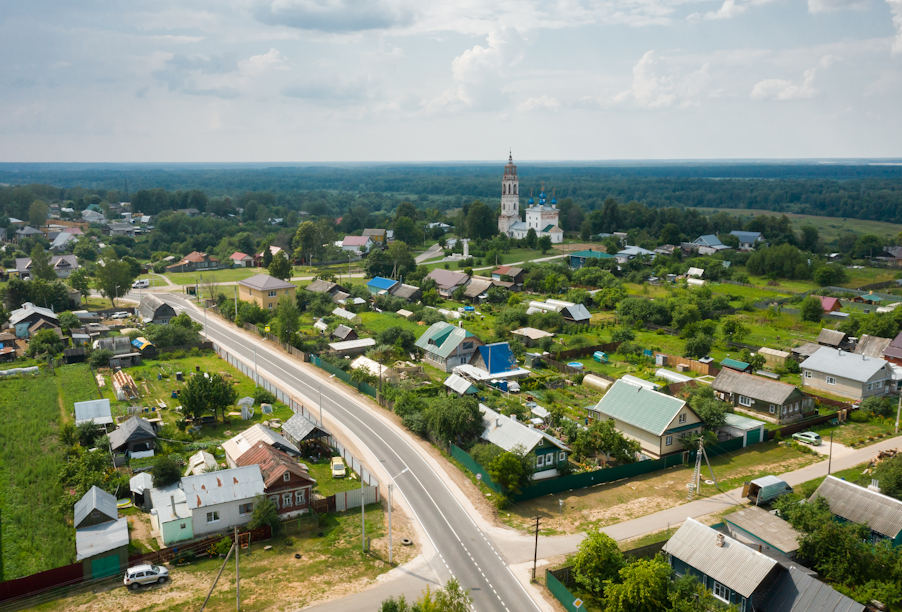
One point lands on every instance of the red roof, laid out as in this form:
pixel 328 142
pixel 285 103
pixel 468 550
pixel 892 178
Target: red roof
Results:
pixel 501 270
pixel 197 257
pixel 829 304
pixel 238 256
pixel 74 230
pixel 273 464
pixel 355 240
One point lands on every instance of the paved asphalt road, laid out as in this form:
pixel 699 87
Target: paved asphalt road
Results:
pixel 463 550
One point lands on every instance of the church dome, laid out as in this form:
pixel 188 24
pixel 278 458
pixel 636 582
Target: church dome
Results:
pixel 530 201
pixel 542 195
pixel 553 201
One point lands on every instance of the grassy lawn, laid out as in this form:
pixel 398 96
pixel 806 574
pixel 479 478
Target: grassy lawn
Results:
pixel 35 534
pixel 628 499
pixel 325 484
pixel 853 474
pixel 830 228
pixel 152 389
pixel 376 323
pixel 330 566
pixel 76 384
pixel 211 276
pixel 857 434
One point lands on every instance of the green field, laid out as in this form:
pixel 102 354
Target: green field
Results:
pixel 212 276
pixel 76 384
pixel 35 534
pixel 830 228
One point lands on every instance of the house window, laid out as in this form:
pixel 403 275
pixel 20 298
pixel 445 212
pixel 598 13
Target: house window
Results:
pixel 540 461
pixel 245 508
pixel 181 525
pixel 269 305
pixel 286 477
pixel 299 497
pixel 562 456
pixel 870 386
pixel 272 294
pixel 831 380
pixel 878 384
pixel 275 499
pixel 212 517
pixel 468 345
pixel 772 408
pixel 682 418
pixel 721 592
pixel 745 401
pixel 668 440
pixel 807 374
pixel 286 500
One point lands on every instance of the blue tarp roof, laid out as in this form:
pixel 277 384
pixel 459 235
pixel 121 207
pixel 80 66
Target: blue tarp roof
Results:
pixel 498 357
pixel 381 283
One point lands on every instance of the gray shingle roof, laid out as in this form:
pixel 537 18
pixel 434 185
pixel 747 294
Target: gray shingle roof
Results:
pixel 147 308
pixel 98 539
pixel 508 433
pixel 95 499
pixel 882 513
pixel 135 428
pixel 830 337
pixel 767 527
pixel 577 312
pixel 447 279
pixel 734 564
pixel 643 408
pixel 265 282
pixel 342 331
pixel 477 287
pixel 872 346
pixel 323 286
pixel 796 591
pixel 755 387
pixel 837 362
pixel 404 292
pixel 299 427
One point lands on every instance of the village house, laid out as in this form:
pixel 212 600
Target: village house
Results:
pixel 153 310
pixel 170 515
pixel 546 452
pixel 447 281
pixel 258 258
pixel 63 266
pixel 764 398
pixel 285 481
pixel 249 438
pixel 24 318
pixel 343 333
pixel 655 420
pixel 446 346
pixel 831 337
pixel 223 499
pixel 581 258
pixel 747 240
pixel 379 237
pixel 864 506
pixel 241 260
pixel 409 293
pixel 357 244
pixel 134 439
pixel 324 286
pixel 378 284
pixel 265 290
pixel 840 373
pixel 830 304
pixel 195 262
pixel 101 537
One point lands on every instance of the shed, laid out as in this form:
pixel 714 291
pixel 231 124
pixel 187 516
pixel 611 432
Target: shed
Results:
pixel 831 337
pixel 460 385
pixel 97 411
pixel 871 346
pixel 530 335
pixel 576 313
pixel 379 284
pixel 735 364
pixel 140 485
pixel 375 368
pixel 764 531
pixel 201 462
pixel 404 313
pixel 352 347
pixel 135 437
pixel 773 357
pixel 738 426
pixel 95 507
pixel 343 332
pixel 299 429
pixel 102 549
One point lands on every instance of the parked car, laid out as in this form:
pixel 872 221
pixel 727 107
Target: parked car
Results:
pixel 145 574
pixel 141 284
pixel 338 468
pixel 808 437
pixel 120 315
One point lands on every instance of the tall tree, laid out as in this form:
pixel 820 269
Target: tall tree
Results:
pixel 480 221
pixel 114 277
pixel 37 213
pixel 204 394
pixel 40 264
pixel 287 318
pixel 406 230
pixel 80 281
pixel 598 560
pixel 280 267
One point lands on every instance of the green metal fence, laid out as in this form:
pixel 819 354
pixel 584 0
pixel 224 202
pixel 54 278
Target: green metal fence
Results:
pixel 342 375
pixel 561 593
pixel 589 479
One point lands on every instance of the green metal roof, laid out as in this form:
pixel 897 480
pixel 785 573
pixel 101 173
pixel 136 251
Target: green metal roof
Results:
pixel 735 364
pixel 445 338
pixel 595 254
pixel 640 407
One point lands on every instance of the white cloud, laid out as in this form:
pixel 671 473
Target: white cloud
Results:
pixel 896 8
pixel 732 8
pixel 542 103
pixel 824 6
pixel 649 90
pixel 780 89
pixel 257 64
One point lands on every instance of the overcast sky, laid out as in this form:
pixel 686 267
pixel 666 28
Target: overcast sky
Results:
pixel 436 80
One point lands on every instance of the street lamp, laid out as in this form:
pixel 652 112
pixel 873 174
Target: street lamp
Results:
pixel 390 484
pixel 115 295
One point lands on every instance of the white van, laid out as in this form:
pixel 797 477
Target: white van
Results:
pixel 141 284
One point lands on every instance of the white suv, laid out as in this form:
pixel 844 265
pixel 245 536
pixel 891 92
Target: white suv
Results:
pixel 145 574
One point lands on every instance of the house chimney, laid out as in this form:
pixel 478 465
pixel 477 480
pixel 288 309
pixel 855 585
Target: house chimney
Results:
pixel 874 486
pixel 498 422
pixel 720 540
pixel 172 501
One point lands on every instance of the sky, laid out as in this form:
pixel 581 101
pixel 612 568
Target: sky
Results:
pixel 448 80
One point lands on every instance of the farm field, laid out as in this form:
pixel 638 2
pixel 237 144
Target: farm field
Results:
pixel 35 534
pixel 830 228
pixel 628 499
pixel 76 384
pixel 329 567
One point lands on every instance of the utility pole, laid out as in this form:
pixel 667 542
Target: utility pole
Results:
pixel 390 484
pixel 234 545
pixel 830 458
pixel 237 572
pixel 535 555
pixel 255 364
pixel 362 515
pixel 898 412
pixel 321 422
pixel 236 302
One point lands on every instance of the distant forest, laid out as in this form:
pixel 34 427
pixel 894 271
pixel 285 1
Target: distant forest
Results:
pixel 857 191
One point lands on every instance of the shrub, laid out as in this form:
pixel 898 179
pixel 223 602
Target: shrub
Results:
pixel 859 416
pixel 223 546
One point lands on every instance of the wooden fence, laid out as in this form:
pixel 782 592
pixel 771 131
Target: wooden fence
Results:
pixel 608 347
pixel 705 369
pixel 68 575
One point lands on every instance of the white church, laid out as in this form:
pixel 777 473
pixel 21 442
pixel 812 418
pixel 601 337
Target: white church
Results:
pixel 541 217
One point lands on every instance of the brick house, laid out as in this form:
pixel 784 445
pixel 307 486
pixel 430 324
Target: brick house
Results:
pixel 285 481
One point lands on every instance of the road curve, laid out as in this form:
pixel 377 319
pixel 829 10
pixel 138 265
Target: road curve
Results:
pixel 464 551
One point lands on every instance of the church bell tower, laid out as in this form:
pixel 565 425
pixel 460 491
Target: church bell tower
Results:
pixel 510 197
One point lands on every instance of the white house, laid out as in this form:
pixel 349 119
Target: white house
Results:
pixel 223 499
pixel 357 244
